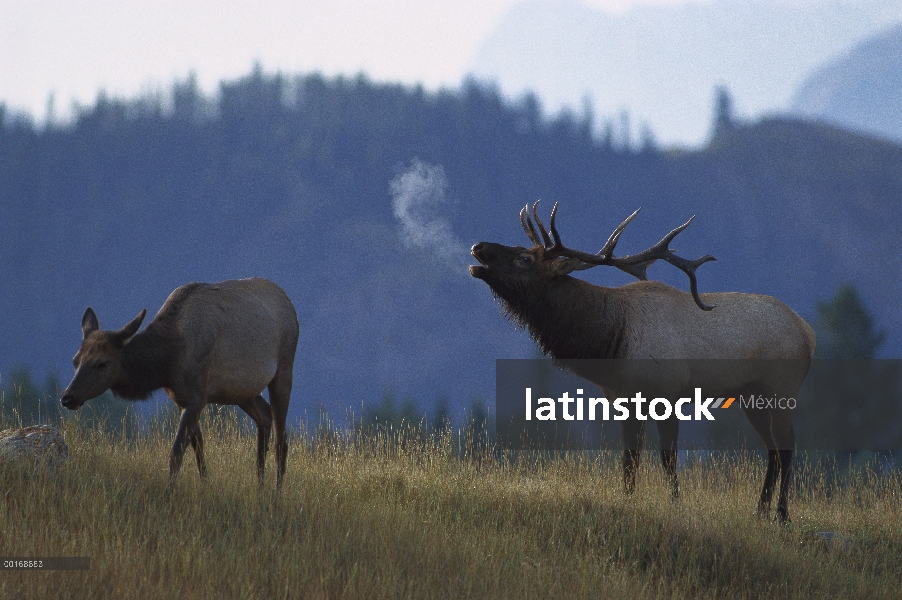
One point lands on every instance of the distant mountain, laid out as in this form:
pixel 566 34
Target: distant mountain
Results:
pixel 290 179
pixel 661 63
pixel 860 90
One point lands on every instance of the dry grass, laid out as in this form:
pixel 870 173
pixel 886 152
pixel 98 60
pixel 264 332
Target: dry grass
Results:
pixel 382 519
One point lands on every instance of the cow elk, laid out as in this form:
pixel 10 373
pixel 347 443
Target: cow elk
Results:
pixel 572 319
pixel 221 343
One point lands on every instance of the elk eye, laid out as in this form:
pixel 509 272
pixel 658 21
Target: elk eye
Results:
pixel 525 259
pixel 103 364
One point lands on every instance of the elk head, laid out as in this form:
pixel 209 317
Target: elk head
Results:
pixel 512 272
pixel 98 363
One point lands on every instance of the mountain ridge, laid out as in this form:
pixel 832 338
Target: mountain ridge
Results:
pixel 661 63
pixel 860 89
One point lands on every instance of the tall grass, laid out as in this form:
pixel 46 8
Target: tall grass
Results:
pixel 390 515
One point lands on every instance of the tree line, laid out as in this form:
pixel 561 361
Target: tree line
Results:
pixel 287 177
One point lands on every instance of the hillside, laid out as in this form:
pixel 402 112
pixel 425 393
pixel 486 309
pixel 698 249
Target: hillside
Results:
pixel 377 518
pixel 290 179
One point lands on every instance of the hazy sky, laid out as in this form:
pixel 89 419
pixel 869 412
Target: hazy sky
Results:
pixel 73 48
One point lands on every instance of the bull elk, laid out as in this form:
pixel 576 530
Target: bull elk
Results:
pixel 222 343
pixel 572 319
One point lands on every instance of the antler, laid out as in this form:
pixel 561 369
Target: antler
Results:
pixel 634 264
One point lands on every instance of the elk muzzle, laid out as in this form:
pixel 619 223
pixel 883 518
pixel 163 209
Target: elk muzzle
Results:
pixel 68 400
pixel 479 271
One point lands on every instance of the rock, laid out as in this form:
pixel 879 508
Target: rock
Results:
pixel 40 444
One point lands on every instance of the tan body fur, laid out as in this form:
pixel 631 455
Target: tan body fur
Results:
pixel 743 326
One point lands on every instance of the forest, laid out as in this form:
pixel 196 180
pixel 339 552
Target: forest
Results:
pixel 297 178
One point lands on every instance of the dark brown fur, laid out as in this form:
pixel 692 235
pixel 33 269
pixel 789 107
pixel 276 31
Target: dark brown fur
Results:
pixel 551 311
pixel 147 361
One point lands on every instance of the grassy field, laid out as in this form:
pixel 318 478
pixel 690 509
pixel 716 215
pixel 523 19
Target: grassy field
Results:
pixel 382 519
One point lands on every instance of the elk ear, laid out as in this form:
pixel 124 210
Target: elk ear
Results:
pixel 89 322
pixel 122 337
pixel 564 266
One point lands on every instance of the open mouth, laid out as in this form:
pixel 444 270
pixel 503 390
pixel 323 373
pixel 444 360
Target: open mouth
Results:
pixel 478 270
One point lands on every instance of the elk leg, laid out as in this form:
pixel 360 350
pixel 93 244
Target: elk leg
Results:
pixel 785 476
pixel 633 432
pixel 785 438
pixel 668 433
pixel 258 410
pixel 197 443
pixel 770 478
pixel 187 423
pixel 279 396
pixel 761 423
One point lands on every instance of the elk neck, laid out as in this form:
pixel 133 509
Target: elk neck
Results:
pixel 572 319
pixel 146 361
